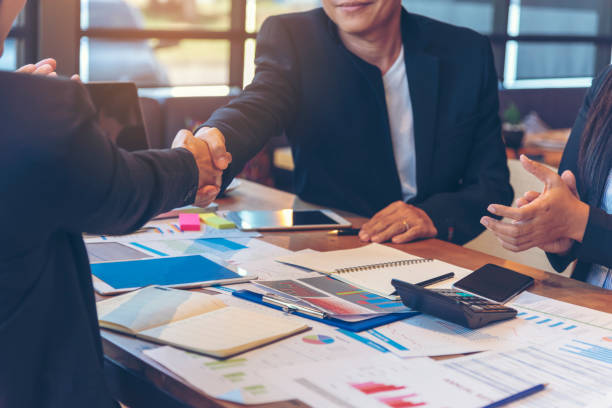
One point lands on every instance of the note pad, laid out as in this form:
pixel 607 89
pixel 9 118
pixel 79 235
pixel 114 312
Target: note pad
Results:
pixel 217 222
pixel 372 267
pixel 180 271
pixel 193 321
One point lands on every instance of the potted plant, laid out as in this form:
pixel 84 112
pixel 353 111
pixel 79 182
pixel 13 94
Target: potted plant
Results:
pixel 513 129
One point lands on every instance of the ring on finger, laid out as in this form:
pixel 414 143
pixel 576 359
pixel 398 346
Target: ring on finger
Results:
pixel 406 225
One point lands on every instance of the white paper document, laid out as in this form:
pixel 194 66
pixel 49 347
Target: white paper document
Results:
pixel 382 382
pixel 567 311
pixel 239 379
pixel 578 372
pixel 426 335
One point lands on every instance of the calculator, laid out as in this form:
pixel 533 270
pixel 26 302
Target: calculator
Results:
pixel 453 305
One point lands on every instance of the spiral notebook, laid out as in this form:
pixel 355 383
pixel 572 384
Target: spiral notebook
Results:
pixel 372 267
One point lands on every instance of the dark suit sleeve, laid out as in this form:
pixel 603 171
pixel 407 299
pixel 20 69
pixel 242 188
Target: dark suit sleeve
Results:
pixel 90 185
pixel 457 214
pixel 267 105
pixel 597 241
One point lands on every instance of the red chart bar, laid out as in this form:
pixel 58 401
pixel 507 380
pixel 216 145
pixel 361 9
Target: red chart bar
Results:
pixel 401 401
pixel 373 388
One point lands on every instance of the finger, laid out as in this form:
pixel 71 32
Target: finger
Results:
pixel 543 173
pixel 43 70
pixel 527 198
pixel 373 228
pixel 181 138
pixel 47 61
pixel 390 232
pixel 410 235
pixel 216 145
pixel 206 195
pixel 531 195
pixel 76 78
pixel 27 69
pixel 519 214
pixel 570 180
pixel 505 228
pixel 53 74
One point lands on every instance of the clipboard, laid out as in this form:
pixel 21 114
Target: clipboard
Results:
pixel 362 325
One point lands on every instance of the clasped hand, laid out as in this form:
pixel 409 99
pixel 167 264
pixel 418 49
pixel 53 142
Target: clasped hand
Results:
pixel 208 149
pixel 552 220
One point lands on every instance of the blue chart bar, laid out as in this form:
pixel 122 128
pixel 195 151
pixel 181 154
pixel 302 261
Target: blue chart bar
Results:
pixel 532 317
pixel 544 321
pixel 589 350
pixel 521 314
pixel 570 327
pixel 556 324
pixel 390 304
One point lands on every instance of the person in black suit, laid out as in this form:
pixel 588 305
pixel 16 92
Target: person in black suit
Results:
pixel 572 218
pixel 60 177
pixel 389 115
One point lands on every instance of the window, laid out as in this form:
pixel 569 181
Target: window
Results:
pixel 21 46
pixel 174 43
pixel 169 43
pixel 536 43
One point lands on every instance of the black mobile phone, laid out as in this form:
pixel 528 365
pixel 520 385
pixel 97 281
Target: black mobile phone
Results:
pixel 494 283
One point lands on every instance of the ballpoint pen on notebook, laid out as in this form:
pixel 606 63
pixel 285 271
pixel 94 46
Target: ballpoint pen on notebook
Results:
pixel 517 396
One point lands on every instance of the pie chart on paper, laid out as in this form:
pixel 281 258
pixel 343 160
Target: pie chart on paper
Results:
pixel 318 339
pixel 607 339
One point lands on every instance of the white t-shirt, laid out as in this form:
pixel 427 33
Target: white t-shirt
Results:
pixel 399 106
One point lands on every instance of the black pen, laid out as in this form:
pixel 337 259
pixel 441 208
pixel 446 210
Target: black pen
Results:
pixel 345 231
pixel 436 279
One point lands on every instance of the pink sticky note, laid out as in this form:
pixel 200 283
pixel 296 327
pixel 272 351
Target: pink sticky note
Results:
pixel 189 222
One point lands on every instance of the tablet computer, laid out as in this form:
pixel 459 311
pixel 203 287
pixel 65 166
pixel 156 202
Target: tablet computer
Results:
pixel 287 220
pixel 191 271
pixel 118 113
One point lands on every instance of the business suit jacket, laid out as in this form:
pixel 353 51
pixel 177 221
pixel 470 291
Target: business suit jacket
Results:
pixel 596 246
pixel 331 105
pixel 60 177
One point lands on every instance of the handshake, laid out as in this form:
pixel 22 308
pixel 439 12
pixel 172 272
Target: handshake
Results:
pixel 208 149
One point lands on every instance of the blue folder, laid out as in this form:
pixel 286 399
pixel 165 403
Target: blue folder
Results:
pixel 362 325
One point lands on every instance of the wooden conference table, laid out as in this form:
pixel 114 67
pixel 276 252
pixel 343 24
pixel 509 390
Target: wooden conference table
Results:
pixel 139 381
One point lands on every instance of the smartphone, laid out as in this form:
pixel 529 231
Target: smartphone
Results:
pixel 494 283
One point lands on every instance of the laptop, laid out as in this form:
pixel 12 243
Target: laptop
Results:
pixel 119 115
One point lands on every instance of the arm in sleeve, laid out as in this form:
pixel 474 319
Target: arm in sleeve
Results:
pixel 457 214
pixel 103 189
pixel 267 106
pixel 596 225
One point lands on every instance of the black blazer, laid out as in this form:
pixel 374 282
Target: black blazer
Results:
pixel 596 247
pixel 331 104
pixel 60 177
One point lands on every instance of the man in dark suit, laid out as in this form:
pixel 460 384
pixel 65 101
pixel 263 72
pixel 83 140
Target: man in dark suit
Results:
pixel 389 114
pixel 60 177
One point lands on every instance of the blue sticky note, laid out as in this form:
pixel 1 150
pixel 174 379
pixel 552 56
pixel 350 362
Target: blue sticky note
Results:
pixel 161 271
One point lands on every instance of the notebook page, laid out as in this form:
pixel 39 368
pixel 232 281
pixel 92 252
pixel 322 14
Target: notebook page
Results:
pixel 379 280
pixel 225 331
pixel 154 306
pixel 330 261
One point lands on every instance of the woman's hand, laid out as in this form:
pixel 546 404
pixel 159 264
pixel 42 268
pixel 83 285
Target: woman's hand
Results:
pixel 551 220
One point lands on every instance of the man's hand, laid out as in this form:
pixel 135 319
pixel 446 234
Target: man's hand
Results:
pixel 44 67
pixel 216 143
pixel 552 220
pixel 398 222
pixel 209 176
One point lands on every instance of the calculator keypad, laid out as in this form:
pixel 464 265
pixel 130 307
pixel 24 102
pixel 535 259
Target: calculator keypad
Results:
pixel 474 302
